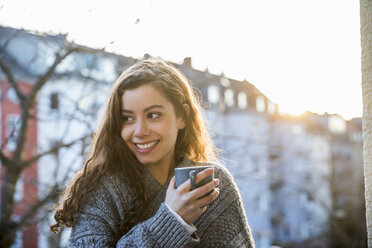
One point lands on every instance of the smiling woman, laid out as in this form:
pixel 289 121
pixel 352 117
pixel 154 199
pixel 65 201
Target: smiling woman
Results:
pixel 152 124
pixel 150 128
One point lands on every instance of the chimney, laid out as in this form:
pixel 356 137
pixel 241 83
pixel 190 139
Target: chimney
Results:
pixel 187 62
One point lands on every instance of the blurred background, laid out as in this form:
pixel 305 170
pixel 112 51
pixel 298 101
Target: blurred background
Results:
pixel 280 82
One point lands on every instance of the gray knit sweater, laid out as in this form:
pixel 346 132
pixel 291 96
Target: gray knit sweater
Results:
pixel 224 224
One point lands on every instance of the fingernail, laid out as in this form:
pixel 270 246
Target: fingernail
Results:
pixel 218 190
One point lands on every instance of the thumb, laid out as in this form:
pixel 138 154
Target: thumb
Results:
pixel 172 183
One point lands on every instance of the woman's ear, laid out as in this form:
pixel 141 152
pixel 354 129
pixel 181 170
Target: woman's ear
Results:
pixel 186 108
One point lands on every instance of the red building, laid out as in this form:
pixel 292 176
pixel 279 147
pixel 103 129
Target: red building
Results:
pixel 27 186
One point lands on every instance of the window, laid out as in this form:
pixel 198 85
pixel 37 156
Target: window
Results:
pixel 229 97
pixel 260 203
pixel 336 124
pixel 12 128
pixel 225 82
pixel 242 100
pixel 340 201
pixel 285 232
pixel 305 233
pixel 262 241
pixel 87 102
pixel 271 108
pixel 260 104
pixel 18 238
pixel 258 240
pixel 302 199
pixel 18 195
pixel 356 137
pixel 12 95
pixel 263 203
pixel 54 102
pixel 297 129
pixel 213 94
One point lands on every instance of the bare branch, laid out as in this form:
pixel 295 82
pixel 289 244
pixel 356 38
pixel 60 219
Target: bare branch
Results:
pixel 15 162
pixel 54 150
pixel 53 194
pixel 3 47
pixel 59 58
pixel 29 104
pixel 5 161
pixel 12 80
pixel 44 79
pixel 80 76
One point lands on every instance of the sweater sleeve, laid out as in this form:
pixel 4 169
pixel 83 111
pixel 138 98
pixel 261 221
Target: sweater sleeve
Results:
pixel 97 225
pixel 225 223
pixel 189 228
pixel 161 230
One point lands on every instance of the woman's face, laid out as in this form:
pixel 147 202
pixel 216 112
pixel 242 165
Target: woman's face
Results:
pixel 150 125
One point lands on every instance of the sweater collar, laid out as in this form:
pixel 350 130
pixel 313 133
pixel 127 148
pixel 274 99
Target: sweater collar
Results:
pixel 155 186
pixel 186 162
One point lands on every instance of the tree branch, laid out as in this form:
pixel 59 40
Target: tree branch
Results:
pixel 59 58
pixel 44 79
pixel 31 99
pixel 80 76
pixel 5 161
pixel 28 215
pixel 12 80
pixel 3 47
pixel 53 150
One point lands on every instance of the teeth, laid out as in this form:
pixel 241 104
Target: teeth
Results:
pixel 146 146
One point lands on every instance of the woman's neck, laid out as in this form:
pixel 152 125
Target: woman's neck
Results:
pixel 161 171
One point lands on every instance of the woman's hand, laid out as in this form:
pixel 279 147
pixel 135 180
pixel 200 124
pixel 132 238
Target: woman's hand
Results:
pixel 188 204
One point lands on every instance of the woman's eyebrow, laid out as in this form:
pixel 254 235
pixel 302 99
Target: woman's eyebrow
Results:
pixel 145 110
pixel 126 111
pixel 153 106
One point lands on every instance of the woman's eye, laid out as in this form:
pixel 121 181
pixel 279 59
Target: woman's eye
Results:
pixel 127 118
pixel 153 115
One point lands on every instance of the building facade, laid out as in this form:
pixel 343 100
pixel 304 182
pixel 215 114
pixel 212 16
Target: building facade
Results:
pixel 284 167
pixel 27 192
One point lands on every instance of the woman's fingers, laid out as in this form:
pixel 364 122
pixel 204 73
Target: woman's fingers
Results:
pixel 203 190
pixel 173 182
pixel 200 205
pixel 206 200
pixel 203 174
pixel 186 186
pixel 191 204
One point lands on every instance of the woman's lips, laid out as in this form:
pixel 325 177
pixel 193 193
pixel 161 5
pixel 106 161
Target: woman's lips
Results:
pixel 146 147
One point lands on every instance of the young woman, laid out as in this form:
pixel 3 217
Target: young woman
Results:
pixel 125 195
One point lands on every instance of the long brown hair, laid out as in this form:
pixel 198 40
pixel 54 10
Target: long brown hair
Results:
pixel 109 151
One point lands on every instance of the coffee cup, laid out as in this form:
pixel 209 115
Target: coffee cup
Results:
pixel 183 174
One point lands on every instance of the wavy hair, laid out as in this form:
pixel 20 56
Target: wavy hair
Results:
pixel 109 151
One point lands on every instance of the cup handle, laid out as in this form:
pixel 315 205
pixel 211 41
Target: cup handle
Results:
pixel 192 179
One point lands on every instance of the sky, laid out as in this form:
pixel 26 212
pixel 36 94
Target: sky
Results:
pixel 302 54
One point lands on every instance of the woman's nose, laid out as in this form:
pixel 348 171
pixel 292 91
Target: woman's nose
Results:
pixel 141 128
